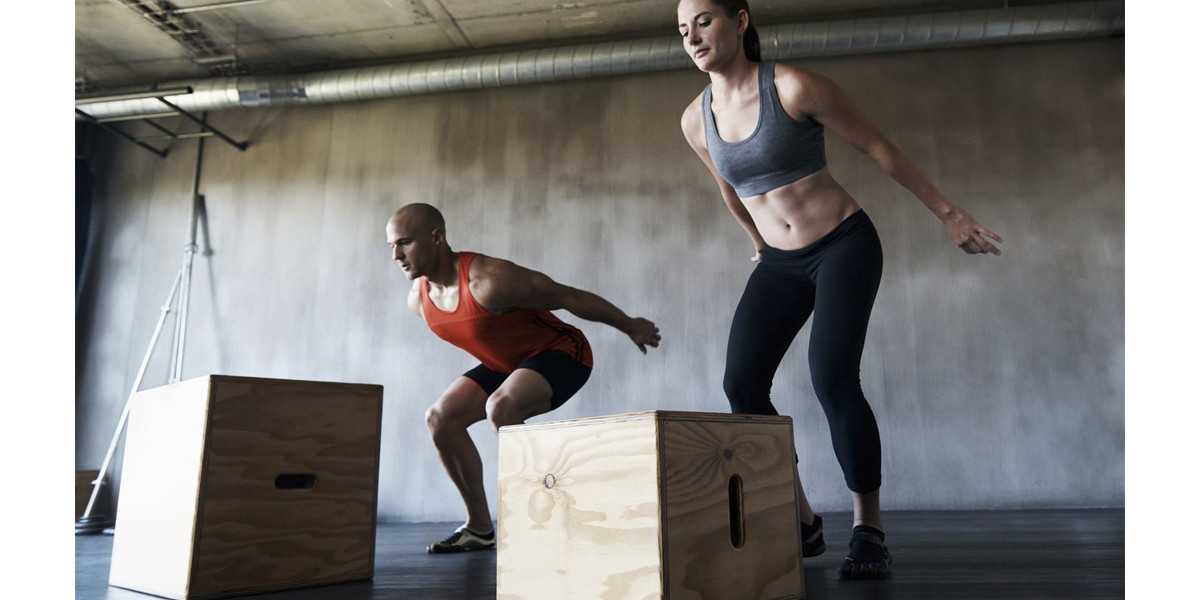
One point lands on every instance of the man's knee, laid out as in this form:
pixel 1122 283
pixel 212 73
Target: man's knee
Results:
pixel 502 409
pixel 440 423
pixel 435 421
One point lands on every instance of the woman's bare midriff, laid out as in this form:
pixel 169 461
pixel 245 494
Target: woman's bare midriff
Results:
pixel 797 214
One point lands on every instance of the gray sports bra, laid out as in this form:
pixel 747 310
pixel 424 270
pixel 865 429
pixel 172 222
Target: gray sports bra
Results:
pixel 780 151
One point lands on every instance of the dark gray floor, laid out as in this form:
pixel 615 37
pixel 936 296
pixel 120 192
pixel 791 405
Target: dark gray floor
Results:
pixel 1006 554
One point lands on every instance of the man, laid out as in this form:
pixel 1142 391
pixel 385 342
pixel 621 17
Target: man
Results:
pixel 499 312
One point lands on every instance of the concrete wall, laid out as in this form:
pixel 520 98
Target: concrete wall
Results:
pixel 997 382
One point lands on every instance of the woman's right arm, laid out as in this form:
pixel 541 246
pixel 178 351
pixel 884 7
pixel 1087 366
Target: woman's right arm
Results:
pixel 693 132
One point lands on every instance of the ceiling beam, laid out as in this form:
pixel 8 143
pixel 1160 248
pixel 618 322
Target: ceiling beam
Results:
pixel 446 21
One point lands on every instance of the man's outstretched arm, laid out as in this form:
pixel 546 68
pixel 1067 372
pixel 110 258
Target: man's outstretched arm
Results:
pixel 504 285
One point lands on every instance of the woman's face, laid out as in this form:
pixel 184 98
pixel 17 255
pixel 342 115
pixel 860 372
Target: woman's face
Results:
pixel 710 37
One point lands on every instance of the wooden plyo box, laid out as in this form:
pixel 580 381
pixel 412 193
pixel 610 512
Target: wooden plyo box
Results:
pixel 238 485
pixel 670 505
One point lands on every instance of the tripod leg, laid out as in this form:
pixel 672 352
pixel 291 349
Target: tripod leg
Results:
pixel 86 524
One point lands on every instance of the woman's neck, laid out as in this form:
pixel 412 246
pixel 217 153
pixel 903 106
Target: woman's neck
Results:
pixel 738 78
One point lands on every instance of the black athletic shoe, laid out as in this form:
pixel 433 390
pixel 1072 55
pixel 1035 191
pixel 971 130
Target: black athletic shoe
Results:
pixel 868 558
pixel 812 538
pixel 464 540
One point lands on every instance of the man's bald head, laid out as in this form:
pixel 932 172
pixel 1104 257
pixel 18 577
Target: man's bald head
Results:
pixel 417 235
pixel 420 218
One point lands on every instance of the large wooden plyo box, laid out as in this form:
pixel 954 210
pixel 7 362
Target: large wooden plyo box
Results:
pixel 238 485
pixel 670 505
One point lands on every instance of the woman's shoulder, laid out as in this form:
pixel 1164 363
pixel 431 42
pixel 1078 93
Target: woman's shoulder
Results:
pixel 691 121
pixel 799 89
pixel 692 110
pixel 794 78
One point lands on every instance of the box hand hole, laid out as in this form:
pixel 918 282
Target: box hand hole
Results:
pixel 737 519
pixel 295 481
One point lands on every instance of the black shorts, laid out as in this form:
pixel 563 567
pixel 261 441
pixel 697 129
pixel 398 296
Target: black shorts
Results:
pixel 565 374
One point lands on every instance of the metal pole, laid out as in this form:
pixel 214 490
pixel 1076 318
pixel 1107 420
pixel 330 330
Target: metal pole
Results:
pixel 202 123
pixel 189 255
pixel 97 99
pixel 180 136
pixel 170 134
pixel 137 383
pixel 160 153
pixel 215 6
pixel 179 325
pixel 196 172
pixel 161 115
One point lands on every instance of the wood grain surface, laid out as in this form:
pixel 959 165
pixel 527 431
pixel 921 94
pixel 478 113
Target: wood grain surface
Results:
pixel 253 536
pixel 637 506
pixel 700 456
pixel 578 510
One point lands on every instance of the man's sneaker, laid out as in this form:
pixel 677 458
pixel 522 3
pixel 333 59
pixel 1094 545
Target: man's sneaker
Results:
pixel 812 538
pixel 464 540
pixel 868 558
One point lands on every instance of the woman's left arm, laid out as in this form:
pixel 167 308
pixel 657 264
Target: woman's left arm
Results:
pixel 804 93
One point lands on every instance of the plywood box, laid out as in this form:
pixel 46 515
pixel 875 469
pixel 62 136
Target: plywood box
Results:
pixel 670 505
pixel 237 485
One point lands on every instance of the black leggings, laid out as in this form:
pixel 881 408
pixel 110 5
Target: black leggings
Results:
pixel 836 277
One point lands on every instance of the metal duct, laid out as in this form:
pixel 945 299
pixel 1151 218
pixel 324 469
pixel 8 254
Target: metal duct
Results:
pixel 780 42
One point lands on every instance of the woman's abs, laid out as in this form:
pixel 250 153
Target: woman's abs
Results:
pixel 797 214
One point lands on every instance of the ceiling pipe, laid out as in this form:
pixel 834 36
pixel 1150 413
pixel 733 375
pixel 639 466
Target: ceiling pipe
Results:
pixel 214 6
pixel 779 42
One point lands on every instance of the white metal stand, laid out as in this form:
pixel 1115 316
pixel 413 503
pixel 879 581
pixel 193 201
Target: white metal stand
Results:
pixel 88 524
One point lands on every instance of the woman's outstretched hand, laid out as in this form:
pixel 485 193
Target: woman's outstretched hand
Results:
pixel 972 237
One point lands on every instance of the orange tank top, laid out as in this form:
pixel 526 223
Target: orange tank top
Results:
pixel 500 341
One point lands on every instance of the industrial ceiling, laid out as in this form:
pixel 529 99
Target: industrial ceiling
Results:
pixel 130 43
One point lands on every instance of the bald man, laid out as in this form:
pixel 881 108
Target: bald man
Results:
pixel 499 312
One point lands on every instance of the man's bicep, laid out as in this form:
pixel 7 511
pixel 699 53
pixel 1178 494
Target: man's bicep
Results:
pixel 526 288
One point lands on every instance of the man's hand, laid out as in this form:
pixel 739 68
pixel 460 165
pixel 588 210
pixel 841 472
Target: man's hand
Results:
pixel 643 332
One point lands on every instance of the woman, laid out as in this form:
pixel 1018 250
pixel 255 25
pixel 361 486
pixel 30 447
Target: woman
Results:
pixel 759 128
